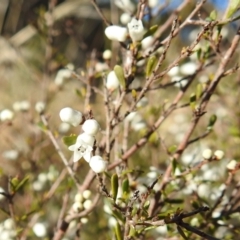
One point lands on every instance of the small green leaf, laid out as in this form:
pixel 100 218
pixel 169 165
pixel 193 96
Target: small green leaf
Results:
pixel 213 15
pixel 120 75
pixel 174 165
pixel 193 101
pixel 69 140
pixel 152 61
pixel 199 53
pixel 42 126
pixel 118 232
pixel 114 186
pixel 22 183
pixel 172 149
pixel 232 8
pixel 212 121
pixel 199 91
pixel 134 94
pixel 151 31
pixel 125 186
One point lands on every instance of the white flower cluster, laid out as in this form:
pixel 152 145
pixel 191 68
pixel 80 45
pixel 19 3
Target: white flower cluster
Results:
pixel 83 146
pixel 178 73
pixel 82 201
pixel 7 230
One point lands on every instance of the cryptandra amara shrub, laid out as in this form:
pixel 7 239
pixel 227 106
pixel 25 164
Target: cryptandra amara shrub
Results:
pixel 137 154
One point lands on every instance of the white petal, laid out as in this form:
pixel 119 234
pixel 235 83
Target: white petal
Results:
pixel 87 156
pixel 116 33
pixel 72 147
pixel 97 164
pixel 77 156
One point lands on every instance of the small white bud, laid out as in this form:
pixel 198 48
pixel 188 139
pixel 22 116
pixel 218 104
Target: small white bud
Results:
pixel 116 33
pixel 125 18
pixel 77 207
pixel 232 164
pixel 24 105
pixel 100 67
pixel 188 68
pixel 71 116
pixel 40 107
pixel 91 127
pixel 78 197
pixel 84 220
pixel 87 204
pixel 38 186
pixel 62 74
pixel 152 3
pixel 87 194
pixel 10 154
pixel 219 154
pixel 107 54
pixel 8 224
pixel 207 154
pixel 64 127
pixel 173 71
pixel 179 81
pixel 17 106
pixel 147 42
pixel 87 138
pixel 112 81
pixel 97 164
pixel 131 116
pixel 42 177
pixel 143 102
pixel 40 230
pixel 1 195
pixel 125 5
pixel 6 115
pixel 136 30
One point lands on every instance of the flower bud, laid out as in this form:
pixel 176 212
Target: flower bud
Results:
pixel 112 81
pixel 219 154
pixel 232 165
pixel 78 197
pixel 207 154
pixel 136 30
pixel 77 207
pixel 125 18
pixel 107 54
pixel 188 68
pixel 40 230
pixel 87 194
pixel 97 164
pixel 71 116
pixel 91 127
pixel 87 204
pixel 116 33
pixel 40 107
pixel 87 138
pixel 6 115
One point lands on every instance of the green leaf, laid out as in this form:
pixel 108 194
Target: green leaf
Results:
pixel 174 165
pixel 172 149
pixel 193 101
pixel 125 186
pixel 42 126
pixel 120 75
pixel 232 7
pixel 22 183
pixel 151 31
pixel 69 140
pixel 212 121
pixel 114 186
pixel 199 91
pixel 213 15
pixel 118 232
pixel 152 62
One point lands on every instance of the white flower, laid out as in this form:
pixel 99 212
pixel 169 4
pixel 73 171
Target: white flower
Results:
pixel 219 154
pixel 40 230
pixel 116 33
pixel 112 81
pixel 152 3
pixel 125 18
pixel 136 30
pixel 91 127
pixel 71 116
pixel 62 74
pixel 207 154
pixel 188 68
pixel 81 149
pixel 125 5
pixel 97 164
pixel 107 54
pixel 40 107
pixel 6 115
pixel 232 165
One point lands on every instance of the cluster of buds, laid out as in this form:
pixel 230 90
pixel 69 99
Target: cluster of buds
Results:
pixel 83 147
